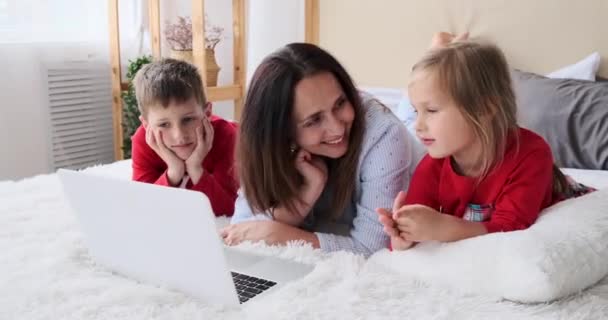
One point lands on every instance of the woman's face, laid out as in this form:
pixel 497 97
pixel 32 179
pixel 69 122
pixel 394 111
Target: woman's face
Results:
pixel 323 116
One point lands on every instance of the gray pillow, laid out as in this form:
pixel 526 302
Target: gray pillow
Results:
pixel 572 115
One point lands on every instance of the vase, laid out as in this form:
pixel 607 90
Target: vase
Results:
pixel 184 55
pixel 213 68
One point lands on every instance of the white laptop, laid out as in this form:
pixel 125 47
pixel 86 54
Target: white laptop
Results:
pixel 168 237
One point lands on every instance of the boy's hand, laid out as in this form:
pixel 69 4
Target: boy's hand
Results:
pixel 390 227
pixel 175 165
pixel 204 142
pixel 419 223
pixel 314 171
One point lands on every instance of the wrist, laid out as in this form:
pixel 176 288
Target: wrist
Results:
pixel 174 176
pixel 285 233
pixel 454 229
pixel 283 215
pixel 309 197
pixel 196 173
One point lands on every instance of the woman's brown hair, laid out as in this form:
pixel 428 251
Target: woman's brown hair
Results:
pixel 265 159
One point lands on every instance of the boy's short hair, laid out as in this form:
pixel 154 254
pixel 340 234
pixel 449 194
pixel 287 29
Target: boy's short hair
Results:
pixel 167 80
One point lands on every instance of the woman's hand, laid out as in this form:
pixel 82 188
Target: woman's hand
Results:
pixel 272 232
pixel 314 171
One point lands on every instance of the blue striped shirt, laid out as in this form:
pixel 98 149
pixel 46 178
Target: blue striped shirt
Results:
pixel 389 155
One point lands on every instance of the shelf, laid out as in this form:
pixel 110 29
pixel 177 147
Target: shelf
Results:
pixel 222 93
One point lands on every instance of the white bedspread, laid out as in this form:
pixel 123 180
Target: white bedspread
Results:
pixel 46 273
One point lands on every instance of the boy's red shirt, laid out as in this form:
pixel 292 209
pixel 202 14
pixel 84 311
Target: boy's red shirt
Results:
pixel 219 181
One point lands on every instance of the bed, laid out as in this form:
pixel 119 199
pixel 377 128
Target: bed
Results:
pixel 46 271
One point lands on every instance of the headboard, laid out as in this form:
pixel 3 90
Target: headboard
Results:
pixel 378 41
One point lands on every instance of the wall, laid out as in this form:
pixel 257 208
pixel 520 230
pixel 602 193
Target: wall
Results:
pixel 36 25
pixel 23 123
pixel 378 41
pixel 32 32
pixel 271 25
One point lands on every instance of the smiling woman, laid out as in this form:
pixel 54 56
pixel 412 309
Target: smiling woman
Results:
pixel 316 157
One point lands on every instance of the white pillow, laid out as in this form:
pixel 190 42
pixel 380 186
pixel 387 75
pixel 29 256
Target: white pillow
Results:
pixel 388 96
pixel 564 252
pixel 585 69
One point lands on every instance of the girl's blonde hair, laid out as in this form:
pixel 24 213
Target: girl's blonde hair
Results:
pixel 476 77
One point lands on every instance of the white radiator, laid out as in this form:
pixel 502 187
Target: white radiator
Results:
pixel 80 110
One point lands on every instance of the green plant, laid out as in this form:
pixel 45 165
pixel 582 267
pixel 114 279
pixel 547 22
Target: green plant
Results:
pixel 130 112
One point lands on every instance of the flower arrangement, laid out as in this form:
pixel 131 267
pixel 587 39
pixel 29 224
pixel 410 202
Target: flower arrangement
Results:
pixel 179 34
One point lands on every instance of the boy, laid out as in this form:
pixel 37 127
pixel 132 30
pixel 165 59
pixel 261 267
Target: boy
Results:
pixel 179 143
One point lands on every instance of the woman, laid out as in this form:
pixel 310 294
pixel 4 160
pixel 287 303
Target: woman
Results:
pixel 316 157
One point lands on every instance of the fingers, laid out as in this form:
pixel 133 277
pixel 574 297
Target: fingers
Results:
pixel 151 140
pixel 443 39
pixel 403 222
pixel 160 142
pixel 407 236
pixel 393 232
pixel 303 161
pixel 170 158
pixel 399 243
pixel 407 210
pixel 383 212
pixel 399 201
pixel 384 216
pixel 461 37
pixel 401 212
pixel 229 236
pixel 303 155
pixel 386 221
pixel 209 132
pixel 200 140
pixel 404 228
pixel 224 232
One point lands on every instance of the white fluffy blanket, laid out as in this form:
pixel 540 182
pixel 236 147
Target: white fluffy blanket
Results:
pixel 46 273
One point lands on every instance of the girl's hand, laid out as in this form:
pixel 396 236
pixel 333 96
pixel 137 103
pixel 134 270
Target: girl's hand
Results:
pixel 175 166
pixel 390 227
pixel 420 223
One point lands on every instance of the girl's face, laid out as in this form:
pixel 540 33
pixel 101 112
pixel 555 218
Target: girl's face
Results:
pixel 323 116
pixel 440 123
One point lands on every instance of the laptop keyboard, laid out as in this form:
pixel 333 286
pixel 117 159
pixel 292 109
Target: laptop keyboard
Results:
pixel 248 287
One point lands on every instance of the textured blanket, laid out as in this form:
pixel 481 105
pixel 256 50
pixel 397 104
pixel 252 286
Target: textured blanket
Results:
pixel 47 273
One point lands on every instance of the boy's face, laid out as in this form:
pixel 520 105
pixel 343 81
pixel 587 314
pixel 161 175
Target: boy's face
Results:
pixel 178 124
